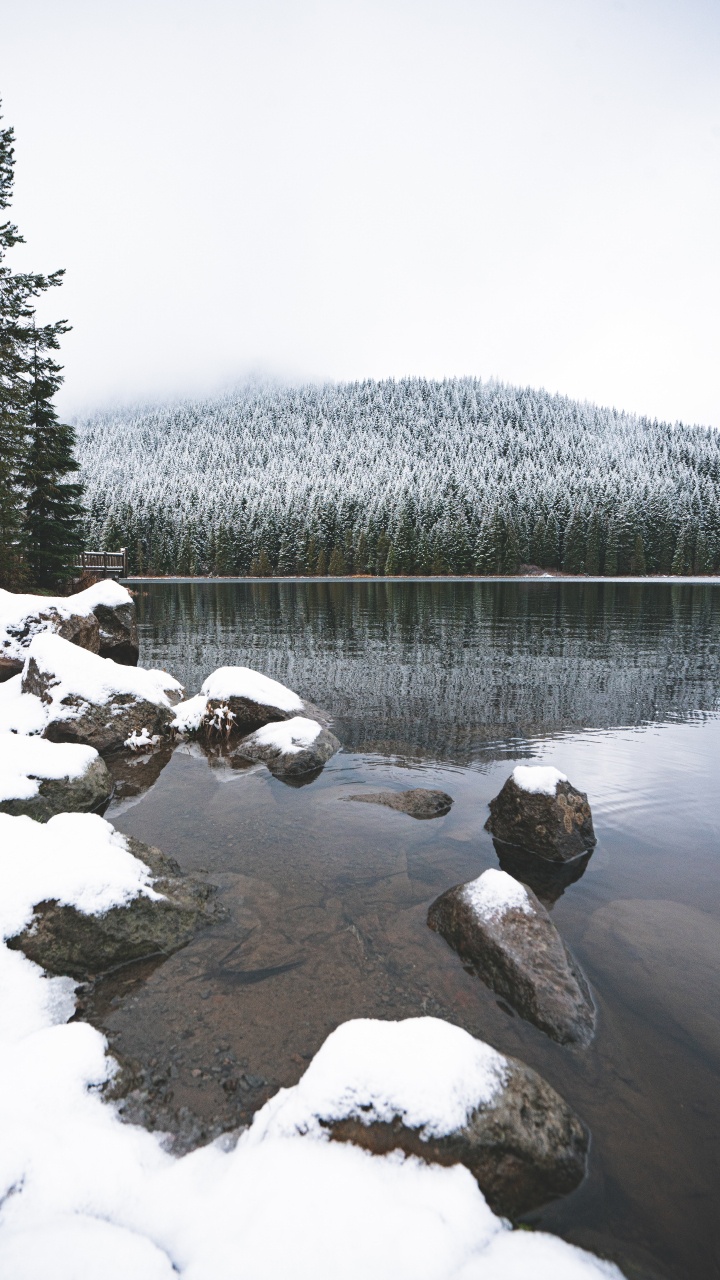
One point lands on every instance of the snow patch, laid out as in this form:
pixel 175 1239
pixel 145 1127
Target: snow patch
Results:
pixel 430 1073
pixel 494 893
pixel 242 682
pixel 139 741
pixel 20 713
pixel 540 779
pixel 288 736
pixel 25 761
pixel 189 714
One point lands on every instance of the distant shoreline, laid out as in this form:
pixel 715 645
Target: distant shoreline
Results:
pixel 707 580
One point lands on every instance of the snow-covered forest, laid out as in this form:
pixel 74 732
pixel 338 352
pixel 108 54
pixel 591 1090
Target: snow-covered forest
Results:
pixel 412 476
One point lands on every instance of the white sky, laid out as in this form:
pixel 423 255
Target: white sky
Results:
pixel 526 189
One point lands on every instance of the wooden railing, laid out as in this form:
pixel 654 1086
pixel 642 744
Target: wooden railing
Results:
pixel 106 564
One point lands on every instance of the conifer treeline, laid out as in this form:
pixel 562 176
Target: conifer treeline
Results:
pixel 401 477
pixel 40 510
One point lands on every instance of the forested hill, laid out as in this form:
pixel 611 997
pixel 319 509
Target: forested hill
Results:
pixel 458 476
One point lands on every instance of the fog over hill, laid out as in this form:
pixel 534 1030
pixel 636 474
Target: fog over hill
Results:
pixel 413 476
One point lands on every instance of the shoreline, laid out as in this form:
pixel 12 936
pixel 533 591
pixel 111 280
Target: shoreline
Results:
pixel 706 580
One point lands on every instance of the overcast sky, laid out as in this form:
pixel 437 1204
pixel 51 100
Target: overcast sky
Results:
pixel 524 189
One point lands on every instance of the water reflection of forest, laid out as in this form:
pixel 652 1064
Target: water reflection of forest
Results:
pixel 448 671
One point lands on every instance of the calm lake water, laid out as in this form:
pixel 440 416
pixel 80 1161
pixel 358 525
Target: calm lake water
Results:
pixel 448 685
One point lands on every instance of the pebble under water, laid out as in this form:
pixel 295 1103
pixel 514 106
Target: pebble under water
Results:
pixel 448 685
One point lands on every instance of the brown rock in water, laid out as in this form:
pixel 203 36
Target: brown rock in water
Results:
pixel 548 880
pixel 556 825
pixel 419 802
pixel 65 941
pixel 516 949
pixel 525 1147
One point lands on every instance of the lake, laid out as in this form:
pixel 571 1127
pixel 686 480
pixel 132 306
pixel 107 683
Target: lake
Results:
pixel 448 685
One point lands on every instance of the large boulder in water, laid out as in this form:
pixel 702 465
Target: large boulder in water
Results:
pixel 100 619
pixel 107 899
pixel 88 699
pixel 539 810
pixel 41 778
pixel 237 700
pixel 500 929
pixel 418 802
pixel 431 1090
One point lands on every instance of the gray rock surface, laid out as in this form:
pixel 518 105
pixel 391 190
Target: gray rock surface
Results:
pixel 419 802
pixel 118 634
pixel 290 764
pixel 65 795
pixel 521 956
pixel 525 1147
pixel 65 941
pixel 557 826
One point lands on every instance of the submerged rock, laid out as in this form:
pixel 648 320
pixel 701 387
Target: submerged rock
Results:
pixel 419 802
pixel 65 940
pixel 429 1089
pixel 88 699
pixel 539 810
pixel 40 778
pixel 500 930
pixel 290 748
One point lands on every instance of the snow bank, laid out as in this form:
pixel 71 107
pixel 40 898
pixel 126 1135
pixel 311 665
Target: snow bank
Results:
pixel 429 1072
pixel 242 682
pixel 24 761
pixel 84 1195
pixel 288 736
pixel 494 893
pixel 20 713
pixel 538 778
pixel 79 674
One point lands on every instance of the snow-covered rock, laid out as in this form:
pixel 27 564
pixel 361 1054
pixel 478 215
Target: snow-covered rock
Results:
pixel 93 898
pixel 418 802
pixel 290 747
pixel 81 697
pixel 100 619
pixel 499 927
pixel 430 1089
pixel 539 810
pixel 114 608
pixel 41 778
pixel 237 700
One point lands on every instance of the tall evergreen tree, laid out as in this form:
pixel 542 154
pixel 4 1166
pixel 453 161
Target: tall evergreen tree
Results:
pixel 21 388
pixel 53 504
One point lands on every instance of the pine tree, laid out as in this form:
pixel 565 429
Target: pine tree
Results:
pixel 337 566
pixel 511 556
pixel 637 559
pixel 53 505
pixel 574 545
pixel 592 551
pixel 18 347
